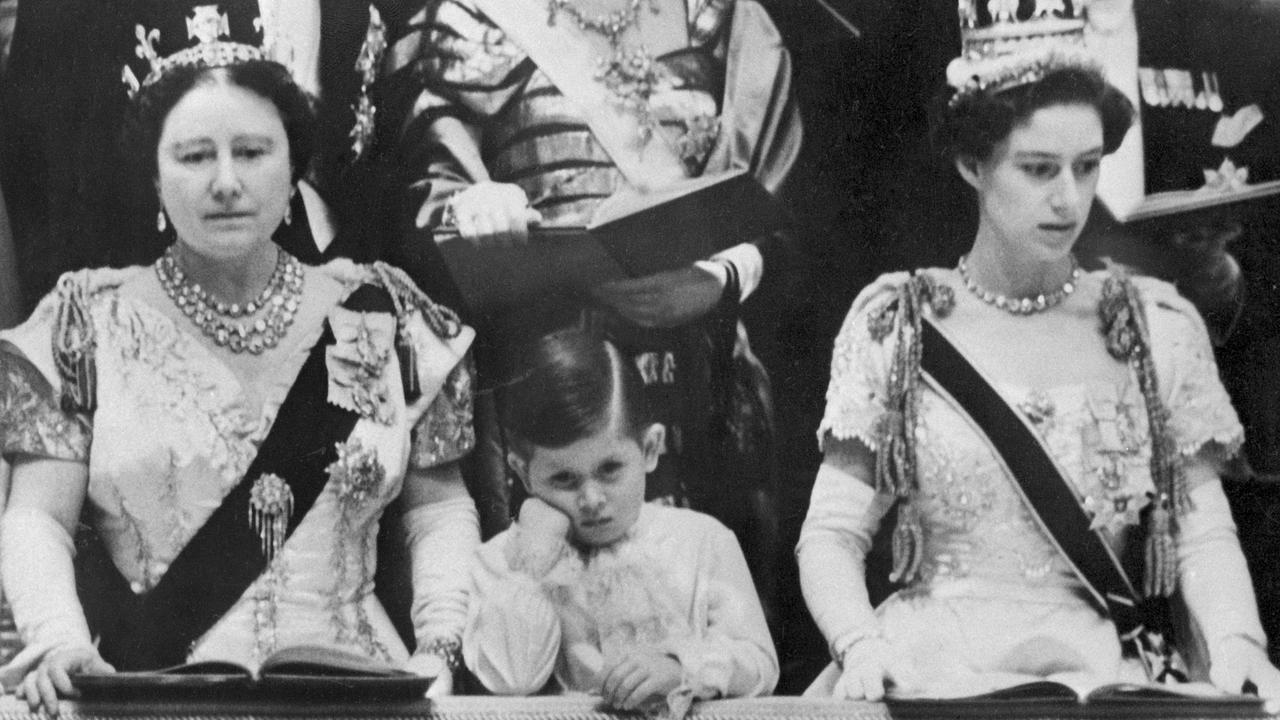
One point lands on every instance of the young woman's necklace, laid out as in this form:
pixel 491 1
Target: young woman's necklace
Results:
pixel 609 24
pixel 229 325
pixel 1020 306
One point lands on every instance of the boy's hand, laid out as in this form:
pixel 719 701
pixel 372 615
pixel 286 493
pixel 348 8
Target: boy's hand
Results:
pixel 538 518
pixel 640 676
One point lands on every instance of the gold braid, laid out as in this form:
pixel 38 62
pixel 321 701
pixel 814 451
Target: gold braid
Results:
pixel 1124 321
pixel 896 469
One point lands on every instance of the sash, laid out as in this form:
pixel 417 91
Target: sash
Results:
pixel 1044 487
pixel 572 66
pixel 224 557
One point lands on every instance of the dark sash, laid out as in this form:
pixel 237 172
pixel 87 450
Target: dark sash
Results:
pixel 1045 489
pixel 224 557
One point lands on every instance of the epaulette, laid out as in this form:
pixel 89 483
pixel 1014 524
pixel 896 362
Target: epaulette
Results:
pixel 896 470
pixel 74 344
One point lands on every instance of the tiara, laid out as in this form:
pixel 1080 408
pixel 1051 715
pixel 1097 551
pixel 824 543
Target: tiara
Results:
pixel 1005 45
pixel 210 28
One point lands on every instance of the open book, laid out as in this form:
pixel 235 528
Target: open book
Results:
pixel 299 673
pixel 1058 699
pixel 631 234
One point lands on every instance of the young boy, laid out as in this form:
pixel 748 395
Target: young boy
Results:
pixel 648 606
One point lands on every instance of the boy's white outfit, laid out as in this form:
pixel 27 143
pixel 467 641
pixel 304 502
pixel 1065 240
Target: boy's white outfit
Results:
pixel 676 582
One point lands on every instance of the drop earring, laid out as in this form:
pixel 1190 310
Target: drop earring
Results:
pixel 161 223
pixel 288 214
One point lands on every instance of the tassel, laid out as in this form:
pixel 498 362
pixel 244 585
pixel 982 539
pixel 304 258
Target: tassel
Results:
pixel 1160 553
pixel 408 357
pixel 908 544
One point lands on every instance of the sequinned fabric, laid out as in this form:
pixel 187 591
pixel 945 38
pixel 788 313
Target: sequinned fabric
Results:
pixel 174 432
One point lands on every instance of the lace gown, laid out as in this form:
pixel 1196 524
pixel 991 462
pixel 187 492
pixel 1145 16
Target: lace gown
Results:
pixel 995 603
pixel 173 434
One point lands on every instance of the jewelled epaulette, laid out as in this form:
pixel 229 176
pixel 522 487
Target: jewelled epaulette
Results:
pixel 1124 322
pixel 407 297
pixel 896 471
pixel 74 345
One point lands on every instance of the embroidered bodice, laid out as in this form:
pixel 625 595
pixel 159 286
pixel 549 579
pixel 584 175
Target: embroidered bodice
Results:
pixel 976 527
pixel 174 431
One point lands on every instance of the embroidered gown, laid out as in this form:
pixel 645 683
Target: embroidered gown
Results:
pixel 172 435
pixel 995 604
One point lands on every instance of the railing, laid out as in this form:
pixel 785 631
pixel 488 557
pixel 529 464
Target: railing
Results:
pixel 586 708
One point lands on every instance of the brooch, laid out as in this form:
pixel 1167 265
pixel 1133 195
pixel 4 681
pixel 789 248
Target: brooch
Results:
pixel 356 474
pixel 270 507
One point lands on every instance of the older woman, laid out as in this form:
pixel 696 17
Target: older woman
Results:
pixel 233 422
pixel 1007 573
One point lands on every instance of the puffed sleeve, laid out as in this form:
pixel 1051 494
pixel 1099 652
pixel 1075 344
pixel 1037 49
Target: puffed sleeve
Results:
pixel 857 394
pixel 1201 415
pixel 735 656
pixel 512 637
pixel 33 420
pixel 446 431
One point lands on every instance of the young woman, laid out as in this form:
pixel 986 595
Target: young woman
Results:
pixel 235 422
pixel 1132 414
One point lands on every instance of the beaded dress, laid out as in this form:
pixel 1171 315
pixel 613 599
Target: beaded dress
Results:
pixel 172 434
pixel 994 602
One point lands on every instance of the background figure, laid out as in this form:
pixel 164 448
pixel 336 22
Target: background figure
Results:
pixel 493 142
pixel 61 106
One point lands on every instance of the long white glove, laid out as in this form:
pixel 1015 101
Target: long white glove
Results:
pixel 844 514
pixel 442 538
pixel 39 579
pixel 1216 588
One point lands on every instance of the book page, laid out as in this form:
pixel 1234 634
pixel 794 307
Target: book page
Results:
pixel 325 660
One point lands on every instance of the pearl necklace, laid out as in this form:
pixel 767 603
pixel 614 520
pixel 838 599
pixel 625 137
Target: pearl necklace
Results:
pixel 1020 306
pixel 278 302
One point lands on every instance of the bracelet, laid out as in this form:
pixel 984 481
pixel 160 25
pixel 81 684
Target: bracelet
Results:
pixel 448 649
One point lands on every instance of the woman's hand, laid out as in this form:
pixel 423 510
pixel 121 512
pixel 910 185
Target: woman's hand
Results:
pixel 430 665
pixel 1237 659
pixel 51 678
pixel 640 676
pixel 491 214
pixel 867 665
pixel 666 299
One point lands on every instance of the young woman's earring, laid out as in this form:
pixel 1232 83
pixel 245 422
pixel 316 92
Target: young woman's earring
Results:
pixel 161 223
pixel 288 209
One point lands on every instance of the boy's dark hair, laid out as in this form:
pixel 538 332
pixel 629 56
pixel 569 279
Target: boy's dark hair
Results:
pixel 270 80
pixel 972 124
pixel 566 390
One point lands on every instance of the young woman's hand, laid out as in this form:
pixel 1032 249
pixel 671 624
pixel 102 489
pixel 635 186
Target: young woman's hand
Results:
pixel 491 214
pixel 638 677
pixel 868 665
pixel 1237 659
pixel 51 679
pixel 666 299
